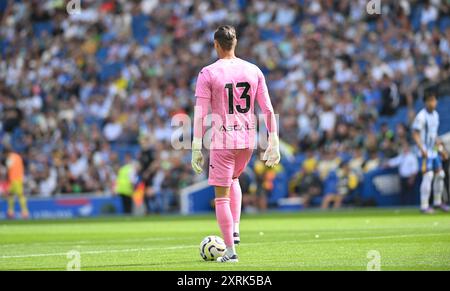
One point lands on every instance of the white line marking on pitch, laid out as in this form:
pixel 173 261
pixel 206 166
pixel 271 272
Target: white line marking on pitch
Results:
pixel 97 252
pixel 81 242
pixel 193 246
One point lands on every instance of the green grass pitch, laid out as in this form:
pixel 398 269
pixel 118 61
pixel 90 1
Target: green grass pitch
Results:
pixel 341 240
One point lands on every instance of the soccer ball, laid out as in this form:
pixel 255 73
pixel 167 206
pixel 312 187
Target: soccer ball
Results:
pixel 212 247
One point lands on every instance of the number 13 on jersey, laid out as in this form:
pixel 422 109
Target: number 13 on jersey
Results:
pixel 244 95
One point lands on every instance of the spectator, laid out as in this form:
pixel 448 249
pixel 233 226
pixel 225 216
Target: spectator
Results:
pixel 248 187
pixel 372 162
pixel 329 162
pixel 90 84
pixel 48 183
pixel 306 183
pixel 408 168
pixel 357 161
pixel 429 13
pixel 264 180
pixel 389 96
pixel 339 184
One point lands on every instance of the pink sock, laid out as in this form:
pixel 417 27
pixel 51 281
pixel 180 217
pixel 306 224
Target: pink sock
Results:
pixel 225 220
pixel 236 202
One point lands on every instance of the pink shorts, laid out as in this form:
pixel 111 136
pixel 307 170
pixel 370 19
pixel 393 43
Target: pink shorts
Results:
pixel 226 165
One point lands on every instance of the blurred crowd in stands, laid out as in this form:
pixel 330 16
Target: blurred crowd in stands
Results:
pixel 80 92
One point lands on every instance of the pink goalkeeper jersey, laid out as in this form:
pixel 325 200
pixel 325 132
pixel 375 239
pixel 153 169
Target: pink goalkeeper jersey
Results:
pixel 230 87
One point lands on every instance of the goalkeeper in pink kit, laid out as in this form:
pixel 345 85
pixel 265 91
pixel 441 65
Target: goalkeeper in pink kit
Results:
pixel 230 87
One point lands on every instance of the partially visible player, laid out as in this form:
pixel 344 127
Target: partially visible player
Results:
pixel 231 86
pixel 425 135
pixel 15 169
pixel 4 186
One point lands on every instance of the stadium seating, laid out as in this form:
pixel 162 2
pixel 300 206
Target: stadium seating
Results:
pixel 158 55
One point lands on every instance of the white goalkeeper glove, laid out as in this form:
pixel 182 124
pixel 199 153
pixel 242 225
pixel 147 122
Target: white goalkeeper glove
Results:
pixel 272 153
pixel 197 156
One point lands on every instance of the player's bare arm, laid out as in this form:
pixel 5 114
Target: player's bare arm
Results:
pixel 418 141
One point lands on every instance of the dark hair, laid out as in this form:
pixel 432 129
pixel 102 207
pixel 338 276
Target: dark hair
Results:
pixel 225 35
pixel 7 148
pixel 429 94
